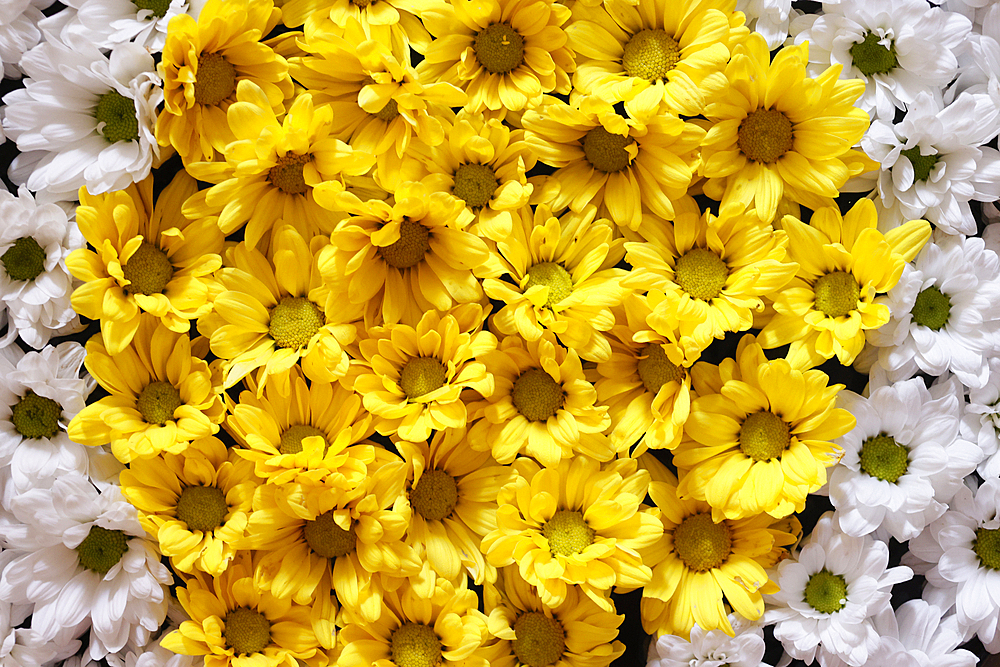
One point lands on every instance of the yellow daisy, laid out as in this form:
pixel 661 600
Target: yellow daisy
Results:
pixel 401 16
pixel 759 436
pixel 146 258
pixel 162 395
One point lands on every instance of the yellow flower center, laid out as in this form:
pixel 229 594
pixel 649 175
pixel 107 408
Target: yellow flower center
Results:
pixel 651 54
pixel 702 544
pixel 606 151
pixel 327 539
pixel 764 436
pixel 294 321
pixel 826 592
pixel 246 631
pixel 157 402
pixel 987 547
pixel 568 533
pixel 499 48
pixel 117 114
pixel 882 457
pixel 434 497
pixel 922 164
pixel 475 183
pixel 215 80
pixel 931 308
pixel 24 260
pixel 415 645
pixel 287 175
pixel 157 7
pixel 35 416
pixel 148 270
pixel 539 641
pixel 553 276
pixel 701 273
pixel 536 395
pixel 291 439
pixel 389 112
pixel 765 135
pixel 361 4
pixel 873 58
pixel 410 248
pixel 422 375
pixel 101 549
pixel 202 507
pixel 836 293
pixel 656 369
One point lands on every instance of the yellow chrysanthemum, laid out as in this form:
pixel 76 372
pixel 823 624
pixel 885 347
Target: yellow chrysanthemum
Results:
pixel 777 133
pixel 670 50
pixel 844 263
pixel 646 159
pixel 401 16
pixel 146 258
pixel 203 62
pixel 560 276
pixel 195 503
pixel 162 395
pixel 574 524
pixel 759 436
pixel 541 405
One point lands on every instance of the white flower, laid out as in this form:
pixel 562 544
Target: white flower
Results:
pixel 711 649
pixel 918 636
pixel 980 12
pixel 830 595
pixel 22 647
pixel 769 18
pixel 981 420
pixel 902 462
pixel 92 117
pixel 109 23
pixel 18 31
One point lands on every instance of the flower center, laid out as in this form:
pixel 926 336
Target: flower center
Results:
pixel 148 270
pixel 287 174
pixel 701 273
pixel 215 80
pixel 24 260
pixel 101 549
pixel 539 641
pixel 826 592
pixel 327 539
pixel 931 308
pixel 294 321
pixel 922 164
pixel 157 402
pixel 568 533
pixel 389 112
pixel 410 248
pixel 765 135
pixel 656 369
pixel 606 151
pixel 435 495
pixel 415 645
pixel 246 631
pixel 35 416
pixel 882 457
pixel 202 507
pixel 422 375
pixel 553 276
pixel 536 395
pixel 702 544
pixel 116 118
pixel 475 183
pixel 651 54
pixel 499 48
pixel 873 58
pixel 764 436
pixel 836 293
pixel 987 547
pixel 361 4
pixel 158 7
pixel 291 439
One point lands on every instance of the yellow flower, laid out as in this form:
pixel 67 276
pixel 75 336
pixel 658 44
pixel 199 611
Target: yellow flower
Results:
pixel 162 395
pixel 759 436
pixel 146 258
pixel 195 504
pixel 401 16
pixel 844 263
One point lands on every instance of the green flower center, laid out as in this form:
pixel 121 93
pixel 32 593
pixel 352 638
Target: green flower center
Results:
pixel 536 395
pixel 873 58
pixel 568 533
pixel 148 270
pixel 701 273
pixel 606 151
pixel 410 248
pixel 101 549
pixel 765 135
pixel 24 260
pixel 651 54
pixel 499 48
pixel 35 416
pixel 656 369
pixel 422 375
pixel 434 497
pixel 922 164
pixel 117 113
pixel 415 645
pixel 291 439
pixel 475 183
pixel 287 175
pixel 215 80
pixel 553 276
pixel 539 641
pixel 246 631
pixel 294 321
pixel 702 544
pixel 987 547
pixel 764 436
pixel 836 293
pixel 931 308
pixel 389 112
pixel 157 402
pixel 882 457
pixel 158 7
pixel 826 592
pixel 202 507
pixel 327 539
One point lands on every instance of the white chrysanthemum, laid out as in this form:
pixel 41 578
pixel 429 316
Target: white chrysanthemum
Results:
pixel 711 649
pixel 770 18
pixel 84 560
pixel 108 23
pixel 903 461
pixel 21 647
pixel 18 31
pixel 918 636
pixel 91 117
pixel 152 654
pixel 981 420
pixel 979 71
pixel 830 595
pixel 980 12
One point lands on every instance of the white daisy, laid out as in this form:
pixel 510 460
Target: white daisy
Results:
pixel 769 18
pixel 21 647
pixel 979 71
pixel 18 31
pixel 830 595
pixel 149 655
pixel 918 636
pixel 980 12
pixel 981 420
pixel 711 649
pixel 108 23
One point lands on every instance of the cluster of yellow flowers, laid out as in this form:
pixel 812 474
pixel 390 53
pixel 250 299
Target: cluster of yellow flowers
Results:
pixel 370 256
